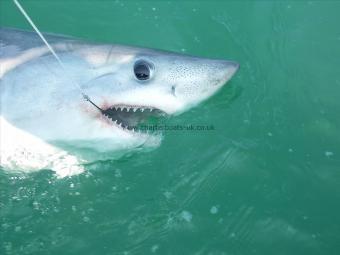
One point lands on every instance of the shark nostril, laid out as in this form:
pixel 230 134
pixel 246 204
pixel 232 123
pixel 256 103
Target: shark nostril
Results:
pixel 173 90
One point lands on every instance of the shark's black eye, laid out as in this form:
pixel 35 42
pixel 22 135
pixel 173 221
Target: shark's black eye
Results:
pixel 142 70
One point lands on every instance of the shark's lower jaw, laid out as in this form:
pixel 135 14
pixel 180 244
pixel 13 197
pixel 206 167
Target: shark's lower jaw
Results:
pixel 132 118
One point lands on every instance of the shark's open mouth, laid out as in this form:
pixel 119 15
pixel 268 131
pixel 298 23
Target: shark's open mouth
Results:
pixel 133 118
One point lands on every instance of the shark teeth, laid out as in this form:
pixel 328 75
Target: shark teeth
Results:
pixel 133 108
pixel 120 117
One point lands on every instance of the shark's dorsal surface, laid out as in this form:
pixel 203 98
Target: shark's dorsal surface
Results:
pixel 45 123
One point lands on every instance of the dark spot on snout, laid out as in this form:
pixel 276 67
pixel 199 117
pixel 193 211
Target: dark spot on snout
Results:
pixel 173 90
pixel 216 81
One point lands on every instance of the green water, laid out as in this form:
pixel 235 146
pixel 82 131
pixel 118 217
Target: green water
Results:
pixel 266 180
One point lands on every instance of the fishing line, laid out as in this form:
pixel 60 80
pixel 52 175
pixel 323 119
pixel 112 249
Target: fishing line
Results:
pixel 85 96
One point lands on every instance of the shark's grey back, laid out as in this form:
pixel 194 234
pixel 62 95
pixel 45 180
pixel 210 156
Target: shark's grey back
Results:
pixel 13 41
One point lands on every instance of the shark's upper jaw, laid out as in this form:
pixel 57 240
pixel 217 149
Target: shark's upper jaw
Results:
pixel 129 117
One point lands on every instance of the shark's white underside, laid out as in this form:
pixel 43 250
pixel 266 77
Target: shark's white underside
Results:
pixel 23 152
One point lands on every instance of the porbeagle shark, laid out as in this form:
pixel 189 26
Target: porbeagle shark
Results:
pixel 45 122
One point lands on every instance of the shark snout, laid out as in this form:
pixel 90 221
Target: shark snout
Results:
pixel 228 69
pixel 220 72
pixel 233 65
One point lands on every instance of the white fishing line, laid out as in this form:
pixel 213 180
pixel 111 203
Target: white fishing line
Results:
pixel 21 9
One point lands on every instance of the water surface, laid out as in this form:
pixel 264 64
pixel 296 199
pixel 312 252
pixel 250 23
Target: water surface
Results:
pixel 266 180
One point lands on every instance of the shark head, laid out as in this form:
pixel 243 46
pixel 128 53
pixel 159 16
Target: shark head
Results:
pixel 135 84
pixel 172 83
pixel 127 86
